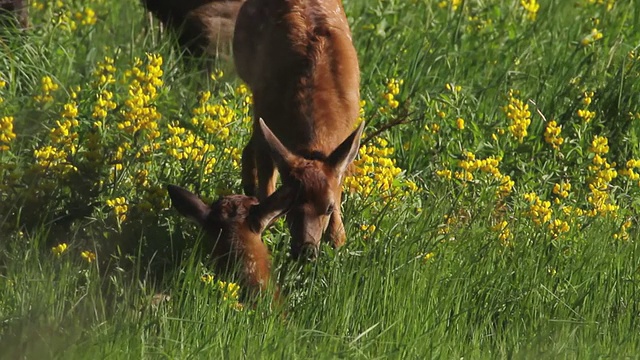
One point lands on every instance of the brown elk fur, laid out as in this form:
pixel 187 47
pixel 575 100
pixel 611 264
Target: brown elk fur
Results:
pixel 203 26
pixel 16 9
pixel 299 61
pixel 234 224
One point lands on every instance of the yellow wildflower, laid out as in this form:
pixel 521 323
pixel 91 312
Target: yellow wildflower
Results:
pixel 120 207
pixel 531 8
pixel 59 249
pixel 47 87
pixel 594 36
pixel 518 112
pixel 88 256
pixel 6 132
pixel 558 227
pixel 552 135
pixel 562 189
pixel 599 145
pixel 206 278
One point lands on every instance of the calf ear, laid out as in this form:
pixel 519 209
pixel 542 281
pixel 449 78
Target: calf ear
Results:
pixel 344 154
pixel 283 158
pixel 188 204
pixel 271 208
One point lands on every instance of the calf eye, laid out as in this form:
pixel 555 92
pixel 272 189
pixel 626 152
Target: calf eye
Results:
pixel 330 209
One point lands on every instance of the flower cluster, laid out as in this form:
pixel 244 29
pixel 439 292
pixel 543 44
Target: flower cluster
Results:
pixel 392 90
pixel 504 233
pixel 59 249
pixel 623 233
pixel 104 73
pixel 242 92
pixel 541 213
pixel 367 230
pixel 50 158
pixel 230 291
pixel 562 189
pixel 6 133
pixel 55 157
pixel 607 3
pixel 140 114
pixel 490 166
pixel 584 113
pixel 120 208
pixel 602 173
pixel 214 119
pixel 531 8
pixel 88 256
pixel 376 171
pixel 557 227
pixel 62 248
pixel 629 170
pixel 454 4
pixel 3 84
pixel 64 134
pixel 183 144
pixel 518 112
pixel 85 17
pixel 539 210
pixel 552 135
pixel 47 88
pixel 68 19
pixel 592 37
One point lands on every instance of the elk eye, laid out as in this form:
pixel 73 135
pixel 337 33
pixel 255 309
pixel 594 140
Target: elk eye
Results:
pixel 329 210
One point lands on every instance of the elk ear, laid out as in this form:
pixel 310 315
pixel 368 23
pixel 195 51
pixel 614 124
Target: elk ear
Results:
pixel 188 204
pixel 344 154
pixel 271 208
pixel 279 153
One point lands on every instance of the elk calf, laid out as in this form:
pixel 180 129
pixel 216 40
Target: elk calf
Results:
pixel 299 61
pixel 234 224
pixel 14 10
pixel 203 26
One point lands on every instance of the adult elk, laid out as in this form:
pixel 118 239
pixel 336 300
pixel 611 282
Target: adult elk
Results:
pixel 202 26
pixel 299 61
pixel 12 11
pixel 233 225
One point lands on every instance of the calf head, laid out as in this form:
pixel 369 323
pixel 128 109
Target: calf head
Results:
pixel 234 224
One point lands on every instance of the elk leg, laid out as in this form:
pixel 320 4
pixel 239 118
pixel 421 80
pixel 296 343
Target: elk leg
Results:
pixel 267 174
pixel 249 169
pixel 335 230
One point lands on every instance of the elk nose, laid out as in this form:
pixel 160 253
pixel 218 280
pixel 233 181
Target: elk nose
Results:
pixel 309 252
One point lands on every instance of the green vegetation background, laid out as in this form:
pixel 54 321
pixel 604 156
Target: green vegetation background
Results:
pixel 498 217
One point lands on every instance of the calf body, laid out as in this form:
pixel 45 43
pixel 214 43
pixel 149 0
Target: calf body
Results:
pixel 299 61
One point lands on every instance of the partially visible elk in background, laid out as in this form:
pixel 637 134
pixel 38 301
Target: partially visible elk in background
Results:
pixel 234 224
pixel 14 13
pixel 203 27
pixel 298 58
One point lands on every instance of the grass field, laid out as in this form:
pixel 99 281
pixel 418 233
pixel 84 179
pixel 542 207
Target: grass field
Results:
pixel 494 216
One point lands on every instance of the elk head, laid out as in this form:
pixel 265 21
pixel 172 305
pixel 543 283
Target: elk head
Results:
pixel 317 185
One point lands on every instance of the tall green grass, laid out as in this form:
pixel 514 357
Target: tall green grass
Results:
pixel 430 278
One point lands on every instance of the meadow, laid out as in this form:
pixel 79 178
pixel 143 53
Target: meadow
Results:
pixel 493 212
